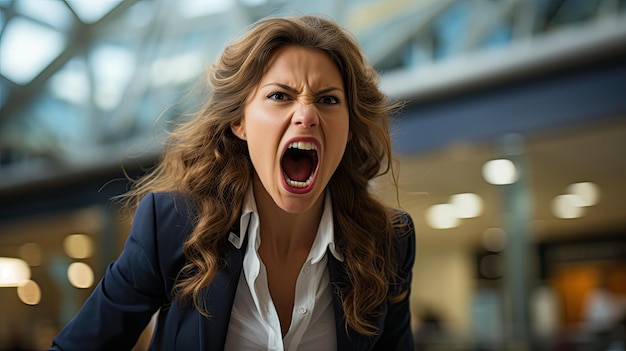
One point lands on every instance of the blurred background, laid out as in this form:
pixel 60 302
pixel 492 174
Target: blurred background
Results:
pixel 511 153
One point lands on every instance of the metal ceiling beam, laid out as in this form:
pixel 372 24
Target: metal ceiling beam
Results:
pixel 387 39
pixel 562 49
pixel 80 37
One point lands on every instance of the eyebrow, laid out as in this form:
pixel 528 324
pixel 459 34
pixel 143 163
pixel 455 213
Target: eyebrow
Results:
pixel 294 91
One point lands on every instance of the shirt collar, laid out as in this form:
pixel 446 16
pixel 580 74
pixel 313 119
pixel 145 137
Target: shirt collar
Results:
pixel 324 239
pixel 248 210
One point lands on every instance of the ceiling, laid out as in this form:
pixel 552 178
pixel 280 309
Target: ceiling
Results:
pixel 593 152
pixel 437 44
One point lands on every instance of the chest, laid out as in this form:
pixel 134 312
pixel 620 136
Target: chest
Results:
pixel 293 316
pixel 282 280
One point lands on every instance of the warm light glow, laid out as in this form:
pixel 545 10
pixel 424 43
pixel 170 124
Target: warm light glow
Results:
pixel 467 205
pixel 80 275
pixel 567 206
pixel 587 191
pixel 78 246
pixel 29 293
pixel 13 272
pixel 500 172
pixel 442 216
pixel 494 239
pixel 31 253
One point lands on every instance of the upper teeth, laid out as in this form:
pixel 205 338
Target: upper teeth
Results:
pixel 302 145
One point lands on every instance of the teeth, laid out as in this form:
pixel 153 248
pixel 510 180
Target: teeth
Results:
pixel 302 145
pixel 297 184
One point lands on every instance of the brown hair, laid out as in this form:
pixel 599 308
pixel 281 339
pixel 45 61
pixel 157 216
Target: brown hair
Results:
pixel 205 161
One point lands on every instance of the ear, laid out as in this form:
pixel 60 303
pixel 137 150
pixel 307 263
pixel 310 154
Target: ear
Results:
pixel 239 129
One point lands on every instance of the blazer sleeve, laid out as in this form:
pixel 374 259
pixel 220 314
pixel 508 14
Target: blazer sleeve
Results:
pixel 130 292
pixel 397 332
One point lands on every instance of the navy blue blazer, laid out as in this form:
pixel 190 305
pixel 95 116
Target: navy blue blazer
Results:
pixel 140 282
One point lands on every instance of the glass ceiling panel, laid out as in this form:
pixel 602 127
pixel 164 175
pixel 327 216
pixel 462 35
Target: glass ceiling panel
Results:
pixel 178 69
pixel 91 11
pixel 450 29
pixel 137 68
pixel 27 48
pixel 112 66
pixel 197 8
pixel 54 13
pixel 62 125
pixel 71 83
pixel 252 2
pixel 139 15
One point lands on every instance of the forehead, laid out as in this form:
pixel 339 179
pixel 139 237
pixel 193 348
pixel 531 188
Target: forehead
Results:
pixel 298 65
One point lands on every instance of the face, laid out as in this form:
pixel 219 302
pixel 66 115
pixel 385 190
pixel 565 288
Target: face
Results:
pixel 296 126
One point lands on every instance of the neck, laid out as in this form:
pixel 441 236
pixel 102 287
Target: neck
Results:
pixel 282 232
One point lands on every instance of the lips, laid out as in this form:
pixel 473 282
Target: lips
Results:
pixel 299 164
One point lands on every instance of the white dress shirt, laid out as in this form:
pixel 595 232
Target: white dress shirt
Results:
pixel 254 322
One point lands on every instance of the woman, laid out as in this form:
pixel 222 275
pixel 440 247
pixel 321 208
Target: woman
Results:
pixel 257 229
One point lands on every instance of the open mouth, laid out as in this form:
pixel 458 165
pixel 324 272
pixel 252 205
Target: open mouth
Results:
pixel 299 164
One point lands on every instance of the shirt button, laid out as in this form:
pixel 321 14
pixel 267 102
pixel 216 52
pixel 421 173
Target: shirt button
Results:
pixel 306 269
pixel 302 310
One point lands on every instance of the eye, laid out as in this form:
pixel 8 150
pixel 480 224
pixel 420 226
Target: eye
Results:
pixel 329 100
pixel 278 96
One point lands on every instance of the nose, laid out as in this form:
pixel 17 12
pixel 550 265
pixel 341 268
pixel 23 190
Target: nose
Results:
pixel 306 115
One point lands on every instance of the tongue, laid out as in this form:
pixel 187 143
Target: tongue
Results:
pixel 298 168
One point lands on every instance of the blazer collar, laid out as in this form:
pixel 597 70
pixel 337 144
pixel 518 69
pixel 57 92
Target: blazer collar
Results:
pixel 220 295
pixel 347 337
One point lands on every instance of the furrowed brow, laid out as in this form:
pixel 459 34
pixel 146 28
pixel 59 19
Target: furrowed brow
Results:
pixel 295 91
pixel 283 86
pixel 328 90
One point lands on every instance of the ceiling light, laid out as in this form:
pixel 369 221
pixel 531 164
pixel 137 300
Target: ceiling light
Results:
pixel 80 275
pixel 500 172
pixel 78 246
pixel 31 253
pixel 567 206
pixel 494 239
pixel 442 216
pixel 588 192
pixel 13 272
pixel 491 266
pixel 467 205
pixel 29 293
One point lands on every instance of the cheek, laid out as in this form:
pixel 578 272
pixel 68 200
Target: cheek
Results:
pixel 262 146
pixel 339 139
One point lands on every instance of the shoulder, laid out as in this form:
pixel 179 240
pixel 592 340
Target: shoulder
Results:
pixel 170 201
pixel 162 223
pixel 402 223
pixel 163 217
pixel 403 249
pixel 167 207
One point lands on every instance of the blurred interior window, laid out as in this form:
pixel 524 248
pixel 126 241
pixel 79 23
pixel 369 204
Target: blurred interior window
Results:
pixel 27 48
pixel 197 8
pixel 54 13
pixel 92 11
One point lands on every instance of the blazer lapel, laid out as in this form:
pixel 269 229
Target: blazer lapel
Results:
pixel 218 298
pixel 347 338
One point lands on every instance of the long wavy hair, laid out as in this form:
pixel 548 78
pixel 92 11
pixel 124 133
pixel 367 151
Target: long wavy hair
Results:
pixel 206 162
